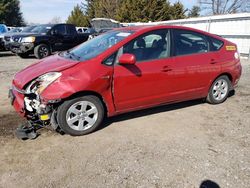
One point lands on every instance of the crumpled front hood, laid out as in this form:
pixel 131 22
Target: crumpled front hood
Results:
pixel 50 64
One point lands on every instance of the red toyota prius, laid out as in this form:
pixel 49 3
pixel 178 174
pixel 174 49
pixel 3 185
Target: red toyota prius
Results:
pixel 125 70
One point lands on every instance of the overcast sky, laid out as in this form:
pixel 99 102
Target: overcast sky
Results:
pixel 43 11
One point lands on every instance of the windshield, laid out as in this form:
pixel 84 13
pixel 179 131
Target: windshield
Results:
pixel 3 29
pixel 15 30
pixel 41 29
pixel 96 46
pixel 28 29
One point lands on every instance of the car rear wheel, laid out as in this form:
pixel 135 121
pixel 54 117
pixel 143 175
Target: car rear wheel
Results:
pixel 219 90
pixel 42 51
pixel 81 115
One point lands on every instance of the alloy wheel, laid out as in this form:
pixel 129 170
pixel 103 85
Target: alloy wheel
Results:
pixel 81 115
pixel 220 89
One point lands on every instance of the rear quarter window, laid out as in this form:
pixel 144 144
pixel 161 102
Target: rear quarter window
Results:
pixel 216 44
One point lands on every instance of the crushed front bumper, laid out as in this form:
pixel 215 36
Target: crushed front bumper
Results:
pixel 28 106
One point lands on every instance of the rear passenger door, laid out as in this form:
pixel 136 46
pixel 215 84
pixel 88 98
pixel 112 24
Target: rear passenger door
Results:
pixel 193 64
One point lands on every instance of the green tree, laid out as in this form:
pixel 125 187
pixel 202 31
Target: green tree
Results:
pixel 178 11
pixel 89 7
pixel 107 8
pixel 78 18
pixel 194 12
pixel 133 11
pixel 144 11
pixel 10 13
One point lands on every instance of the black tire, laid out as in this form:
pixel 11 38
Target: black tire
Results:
pixel 211 95
pixel 63 109
pixel 24 55
pixel 42 51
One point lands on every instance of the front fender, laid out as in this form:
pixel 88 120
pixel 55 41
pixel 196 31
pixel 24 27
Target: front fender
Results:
pixel 82 81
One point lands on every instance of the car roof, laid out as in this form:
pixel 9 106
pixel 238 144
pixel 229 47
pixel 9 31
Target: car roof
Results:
pixel 154 27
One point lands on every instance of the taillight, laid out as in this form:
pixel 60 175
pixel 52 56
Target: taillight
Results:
pixel 237 55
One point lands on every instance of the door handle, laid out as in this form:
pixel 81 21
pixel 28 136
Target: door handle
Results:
pixel 166 69
pixel 107 77
pixel 213 61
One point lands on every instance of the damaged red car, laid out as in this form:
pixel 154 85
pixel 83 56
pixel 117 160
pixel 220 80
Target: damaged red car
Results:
pixel 124 70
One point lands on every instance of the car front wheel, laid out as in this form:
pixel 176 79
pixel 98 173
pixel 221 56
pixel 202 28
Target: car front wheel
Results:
pixel 42 51
pixel 219 90
pixel 81 115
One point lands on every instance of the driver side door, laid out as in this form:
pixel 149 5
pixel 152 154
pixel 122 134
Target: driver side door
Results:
pixel 146 82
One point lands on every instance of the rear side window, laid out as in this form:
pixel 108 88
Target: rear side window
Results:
pixel 188 42
pixel 71 29
pixel 215 44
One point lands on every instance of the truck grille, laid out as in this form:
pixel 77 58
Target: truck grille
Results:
pixel 16 39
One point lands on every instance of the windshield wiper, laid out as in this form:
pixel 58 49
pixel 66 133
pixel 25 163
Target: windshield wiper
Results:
pixel 72 55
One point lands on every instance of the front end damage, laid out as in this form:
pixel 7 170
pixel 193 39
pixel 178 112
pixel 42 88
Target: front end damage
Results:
pixel 29 104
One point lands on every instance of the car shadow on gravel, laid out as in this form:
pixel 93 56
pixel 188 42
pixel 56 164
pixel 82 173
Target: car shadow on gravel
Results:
pixel 155 110
pixel 150 111
pixel 6 54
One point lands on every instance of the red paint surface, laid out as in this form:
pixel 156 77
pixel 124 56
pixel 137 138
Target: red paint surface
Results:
pixel 126 88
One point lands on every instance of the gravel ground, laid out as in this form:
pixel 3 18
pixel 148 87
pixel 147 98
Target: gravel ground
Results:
pixel 178 145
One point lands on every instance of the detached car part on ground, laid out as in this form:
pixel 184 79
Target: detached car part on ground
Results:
pixel 125 70
pixel 45 39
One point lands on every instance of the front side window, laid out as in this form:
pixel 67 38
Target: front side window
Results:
pixel 188 42
pixel 150 46
pixel 60 29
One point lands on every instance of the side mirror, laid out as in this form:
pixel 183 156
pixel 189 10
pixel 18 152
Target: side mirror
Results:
pixel 54 32
pixel 127 59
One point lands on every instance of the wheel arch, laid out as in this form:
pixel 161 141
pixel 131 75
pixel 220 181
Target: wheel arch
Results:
pixel 84 93
pixel 44 42
pixel 230 77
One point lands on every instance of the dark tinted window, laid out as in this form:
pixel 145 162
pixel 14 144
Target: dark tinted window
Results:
pixel 188 42
pixel 153 45
pixel 60 29
pixel 216 44
pixel 71 29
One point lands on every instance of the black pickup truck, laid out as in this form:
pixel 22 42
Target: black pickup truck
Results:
pixel 45 39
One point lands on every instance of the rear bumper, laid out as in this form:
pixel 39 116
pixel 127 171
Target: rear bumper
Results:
pixel 20 48
pixel 237 74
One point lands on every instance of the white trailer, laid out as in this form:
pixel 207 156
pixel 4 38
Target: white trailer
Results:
pixel 233 27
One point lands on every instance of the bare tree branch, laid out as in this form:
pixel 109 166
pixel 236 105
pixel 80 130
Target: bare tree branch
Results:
pixel 225 6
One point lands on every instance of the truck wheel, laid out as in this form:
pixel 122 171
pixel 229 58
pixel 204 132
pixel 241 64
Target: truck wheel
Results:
pixel 24 55
pixel 219 90
pixel 81 115
pixel 42 51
